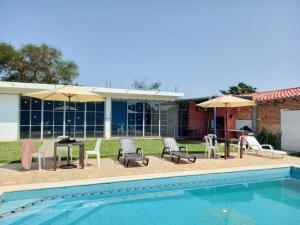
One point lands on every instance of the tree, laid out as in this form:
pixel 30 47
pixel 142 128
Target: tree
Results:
pixel 142 84
pixel 35 64
pixel 240 88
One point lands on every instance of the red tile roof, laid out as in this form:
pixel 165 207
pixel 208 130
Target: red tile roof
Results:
pixel 276 94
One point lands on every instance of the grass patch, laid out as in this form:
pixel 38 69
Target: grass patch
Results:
pixel 11 152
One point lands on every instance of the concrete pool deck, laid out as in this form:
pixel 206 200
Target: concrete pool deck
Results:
pixel 14 178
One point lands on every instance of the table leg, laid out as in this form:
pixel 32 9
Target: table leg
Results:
pixel 241 149
pixel 68 159
pixel 226 150
pixel 55 156
pixel 81 156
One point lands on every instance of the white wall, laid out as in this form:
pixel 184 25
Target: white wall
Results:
pixel 290 128
pixel 9 116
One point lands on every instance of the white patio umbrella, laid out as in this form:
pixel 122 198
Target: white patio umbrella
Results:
pixel 68 93
pixel 226 101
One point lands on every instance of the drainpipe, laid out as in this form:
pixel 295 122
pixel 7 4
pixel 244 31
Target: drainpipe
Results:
pixel 215 120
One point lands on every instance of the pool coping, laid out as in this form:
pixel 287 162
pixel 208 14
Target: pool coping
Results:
pixel 82 182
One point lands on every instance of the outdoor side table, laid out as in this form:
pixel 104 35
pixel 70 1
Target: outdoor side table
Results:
pixel 80 144
pixel 227 142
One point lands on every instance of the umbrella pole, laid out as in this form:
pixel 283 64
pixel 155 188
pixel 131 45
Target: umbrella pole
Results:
pixel 226 132
pixel 69 165
pixel 69 128
pixel 69 118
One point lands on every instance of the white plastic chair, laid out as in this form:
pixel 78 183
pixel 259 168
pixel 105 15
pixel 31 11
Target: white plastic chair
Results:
pixel 63 149
pixel 211 144
pixel 40 156
pixel 96 152
pixel 42 151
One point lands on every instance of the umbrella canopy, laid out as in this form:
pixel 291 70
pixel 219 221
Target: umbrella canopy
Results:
pixel 67 93
pixel 226 101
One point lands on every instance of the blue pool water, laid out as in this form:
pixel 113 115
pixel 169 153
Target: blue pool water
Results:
pixel 270 197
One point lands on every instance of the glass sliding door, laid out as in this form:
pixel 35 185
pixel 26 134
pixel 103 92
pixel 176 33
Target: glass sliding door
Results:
pixel 59 115
pixel 152 119
pixel 167 119
pixel 119 118
pixel 49 119
pixel 25 117
pixel 135 118
pixel 143 118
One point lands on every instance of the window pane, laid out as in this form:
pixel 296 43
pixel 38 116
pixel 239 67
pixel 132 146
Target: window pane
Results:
pixel 48 132
pixel 72 128
pixel 163 131
pixel 131 130
pixel 139 119
pixel 58 118
pixel 25 103
pixel 151 107
pixel 36 104
pixel 155 130
pixel 79 106
pixel 131 107
pixel 59 106
pixel 171 131
pixel 48 117
pixel 148 131
pixel 100 106
pixel 80 118
pixel 164 119
pixel 155 119
pixel 24 117
pixel 48 105
pixel 58 131
pixel 131 118
pixel 100 119
pixel 24 132
pixel 70 117
pixel 36 118
pixel 99 132
pixel 139 107
pixel 119 118
pixel 90 131
pixel 35 131
pixel 90 118
pixel 90 106
pixel 79 132
pixel 139 131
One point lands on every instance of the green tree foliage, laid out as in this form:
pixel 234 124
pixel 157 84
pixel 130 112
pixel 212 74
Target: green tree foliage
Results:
pixel 241 88
pixel 35 64
pixel 142 84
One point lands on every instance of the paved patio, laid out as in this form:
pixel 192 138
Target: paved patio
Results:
pixel 13 177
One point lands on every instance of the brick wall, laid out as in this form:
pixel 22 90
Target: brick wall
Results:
pixel 197 120
pixel 268 114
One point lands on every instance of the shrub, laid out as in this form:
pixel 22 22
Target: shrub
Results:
pixel 266 137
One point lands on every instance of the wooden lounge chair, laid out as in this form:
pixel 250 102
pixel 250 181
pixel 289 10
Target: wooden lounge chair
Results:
pixel 129 152
pixel 264 149
pixel 171 148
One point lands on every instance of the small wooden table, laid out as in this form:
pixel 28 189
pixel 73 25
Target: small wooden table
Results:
pixel 227 142
pixel 80 144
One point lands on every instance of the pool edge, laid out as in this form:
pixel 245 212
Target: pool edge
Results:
pixel 62 184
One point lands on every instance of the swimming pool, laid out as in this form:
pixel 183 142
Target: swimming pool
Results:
pixel 267 196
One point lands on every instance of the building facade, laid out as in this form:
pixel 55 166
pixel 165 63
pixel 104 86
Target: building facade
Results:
pixel 124 113
pixel 266 115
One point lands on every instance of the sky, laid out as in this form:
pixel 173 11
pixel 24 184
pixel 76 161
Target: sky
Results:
pixel 198 46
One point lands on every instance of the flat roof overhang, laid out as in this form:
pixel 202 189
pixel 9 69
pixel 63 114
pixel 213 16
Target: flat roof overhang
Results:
pixel 23 88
